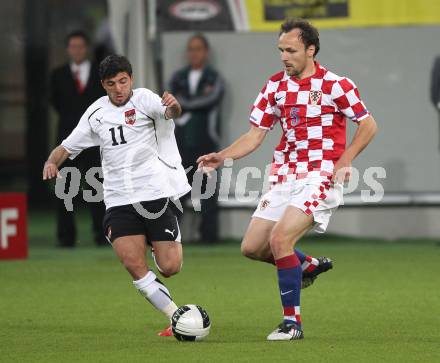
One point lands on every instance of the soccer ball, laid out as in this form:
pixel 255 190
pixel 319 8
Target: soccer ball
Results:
pixel 190 323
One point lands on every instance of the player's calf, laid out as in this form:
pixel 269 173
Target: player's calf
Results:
pixel 134 264
pixel 168 257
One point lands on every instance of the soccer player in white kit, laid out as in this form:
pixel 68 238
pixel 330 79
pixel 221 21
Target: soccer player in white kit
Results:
pixel 309 165
pixel 142 174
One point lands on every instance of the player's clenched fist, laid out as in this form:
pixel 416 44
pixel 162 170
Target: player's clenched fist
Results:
pixel 173 107
pixel 168 99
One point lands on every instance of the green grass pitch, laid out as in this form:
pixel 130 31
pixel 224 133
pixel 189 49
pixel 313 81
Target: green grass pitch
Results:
pixel 381 303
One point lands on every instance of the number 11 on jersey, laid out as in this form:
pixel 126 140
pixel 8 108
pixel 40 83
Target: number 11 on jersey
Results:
pixel 121 135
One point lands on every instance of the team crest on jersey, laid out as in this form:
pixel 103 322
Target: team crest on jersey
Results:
pixel 264 203
pixel 130 117
pixel 315 96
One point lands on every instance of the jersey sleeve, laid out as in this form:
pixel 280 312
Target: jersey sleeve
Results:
pixel 262 112
pixel 152 105
pixel 81 138
pixel 346 97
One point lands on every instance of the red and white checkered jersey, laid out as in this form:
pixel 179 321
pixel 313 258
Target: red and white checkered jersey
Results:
pixel 312 113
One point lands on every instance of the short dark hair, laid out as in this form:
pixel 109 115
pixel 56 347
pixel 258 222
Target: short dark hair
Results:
pixel 309 34
pixel 114 64
pixel 77 34
pixel 202 38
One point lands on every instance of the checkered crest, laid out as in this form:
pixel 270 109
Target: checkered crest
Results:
pixel 315 96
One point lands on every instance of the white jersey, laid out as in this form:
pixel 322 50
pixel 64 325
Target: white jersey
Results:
pixel 140 158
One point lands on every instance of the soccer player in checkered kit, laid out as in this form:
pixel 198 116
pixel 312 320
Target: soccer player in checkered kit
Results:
pixel 142 174
pixel 309 165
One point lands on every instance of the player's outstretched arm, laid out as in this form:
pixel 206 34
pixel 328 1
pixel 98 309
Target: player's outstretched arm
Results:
pixel 364 134
pixel 241 147
pixel 173 107
pixel 55 159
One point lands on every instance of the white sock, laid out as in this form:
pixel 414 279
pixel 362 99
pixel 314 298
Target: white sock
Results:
pixel 156 293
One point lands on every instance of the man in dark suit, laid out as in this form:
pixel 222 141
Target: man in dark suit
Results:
pixel 74 86
pixel 435 85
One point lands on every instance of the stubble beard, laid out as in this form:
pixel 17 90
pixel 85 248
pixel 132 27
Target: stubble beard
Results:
pixel 121 103
pixel 295 72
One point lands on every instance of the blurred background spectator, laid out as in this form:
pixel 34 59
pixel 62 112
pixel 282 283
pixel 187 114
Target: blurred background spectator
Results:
pixel 199 89
pixel 435 87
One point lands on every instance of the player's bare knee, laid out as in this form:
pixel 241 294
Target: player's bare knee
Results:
pixel 169 272
pixel 256 251
pixel 276 239
pixel 277 242
pixel 169 269
pixel 247 250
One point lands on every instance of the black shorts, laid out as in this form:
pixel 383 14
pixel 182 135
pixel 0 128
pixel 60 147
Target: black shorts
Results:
pixel 156 219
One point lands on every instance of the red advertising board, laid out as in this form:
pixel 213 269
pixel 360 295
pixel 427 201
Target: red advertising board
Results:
pixel 13 226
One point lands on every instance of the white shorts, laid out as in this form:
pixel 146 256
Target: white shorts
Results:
pixel 315 197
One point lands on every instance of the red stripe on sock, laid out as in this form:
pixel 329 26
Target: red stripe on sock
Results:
pixel 310 268
pixel 290 261
pixel 289 311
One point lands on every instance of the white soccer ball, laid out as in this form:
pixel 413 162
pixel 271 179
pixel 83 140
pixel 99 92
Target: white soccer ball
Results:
pixel 190 323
